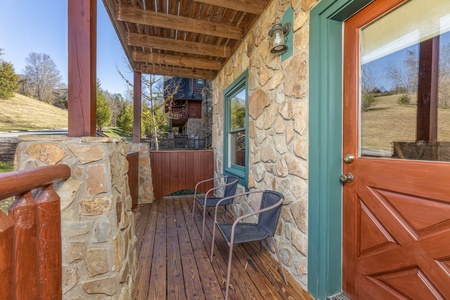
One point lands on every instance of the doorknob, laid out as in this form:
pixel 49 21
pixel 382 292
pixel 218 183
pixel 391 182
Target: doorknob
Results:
pixel 349 158
pixel 347 178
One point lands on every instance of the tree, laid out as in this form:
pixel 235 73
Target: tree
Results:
pixel 154 122
pixel 42 75
pixel 9 80
pixel 405 76
pixel 125 118
pixel 103 110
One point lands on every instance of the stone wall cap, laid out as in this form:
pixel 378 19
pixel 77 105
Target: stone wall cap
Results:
pixel 94 139
pixel 42 138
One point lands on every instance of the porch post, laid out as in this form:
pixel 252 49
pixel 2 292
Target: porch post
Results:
pixel 137 107
pixel 82 44
pixel 427 94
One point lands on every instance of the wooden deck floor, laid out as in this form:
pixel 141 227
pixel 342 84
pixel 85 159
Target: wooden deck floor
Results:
pixel 174 261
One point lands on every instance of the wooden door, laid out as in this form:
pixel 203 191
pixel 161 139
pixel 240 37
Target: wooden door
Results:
pixel 396 239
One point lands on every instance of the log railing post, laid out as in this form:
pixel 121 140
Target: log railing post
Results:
pixel 6 257
pixel 49 244
pixel 24 213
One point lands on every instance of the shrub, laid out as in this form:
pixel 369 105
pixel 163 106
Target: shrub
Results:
pixel 404 100
pixel 369 100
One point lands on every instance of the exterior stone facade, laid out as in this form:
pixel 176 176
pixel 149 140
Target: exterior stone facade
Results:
pixel 278 126
pixel 99 255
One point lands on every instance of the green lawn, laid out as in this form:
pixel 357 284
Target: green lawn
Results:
pixel 6 167
pixel 387 122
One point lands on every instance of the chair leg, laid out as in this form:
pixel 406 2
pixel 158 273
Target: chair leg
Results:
pixel 204 221
pixel 193 208
pixel 212 244
pixel 279 260
pixel 230 256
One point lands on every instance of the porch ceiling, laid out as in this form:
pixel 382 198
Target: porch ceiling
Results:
pixel 183 38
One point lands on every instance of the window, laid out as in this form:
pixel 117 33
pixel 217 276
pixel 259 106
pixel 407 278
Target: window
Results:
pixel 200 82
pixel 235 129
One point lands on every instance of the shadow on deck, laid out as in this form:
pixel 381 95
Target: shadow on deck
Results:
pixel 174 261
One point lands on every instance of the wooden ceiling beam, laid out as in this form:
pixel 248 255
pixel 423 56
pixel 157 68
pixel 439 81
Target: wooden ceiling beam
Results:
pixel 174 60
pixel 141 40
pixel 178 72
pixel 247 6
pixel 151 18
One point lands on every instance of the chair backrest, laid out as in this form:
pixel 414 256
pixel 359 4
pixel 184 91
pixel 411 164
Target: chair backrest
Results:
pixel 230 190
pixel 269 219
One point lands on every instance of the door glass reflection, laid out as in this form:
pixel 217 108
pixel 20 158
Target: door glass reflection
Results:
pixel 405 83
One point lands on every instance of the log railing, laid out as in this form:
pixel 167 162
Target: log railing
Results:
pixel 30 235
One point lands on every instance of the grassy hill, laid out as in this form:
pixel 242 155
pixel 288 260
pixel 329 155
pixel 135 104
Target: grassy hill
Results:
pixel 23 113
pixel 387 121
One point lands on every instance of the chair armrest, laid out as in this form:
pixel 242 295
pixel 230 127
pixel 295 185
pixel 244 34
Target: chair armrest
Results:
pixel 218 187
pixel 203 181
pixel 252 214
pixel 231 197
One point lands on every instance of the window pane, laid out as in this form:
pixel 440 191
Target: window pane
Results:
pixel 237 148
pixel 405 83
pixel 238 111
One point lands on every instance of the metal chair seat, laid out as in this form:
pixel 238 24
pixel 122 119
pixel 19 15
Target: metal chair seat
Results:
pixel 243 232
pixel 212 201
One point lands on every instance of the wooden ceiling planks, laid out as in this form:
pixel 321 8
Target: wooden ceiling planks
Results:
pixel 193 38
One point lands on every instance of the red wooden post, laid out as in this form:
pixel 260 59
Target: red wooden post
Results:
pixel 137 107
pixel 82 75
pixel 49 244
pixel 6 257
pixel 24 213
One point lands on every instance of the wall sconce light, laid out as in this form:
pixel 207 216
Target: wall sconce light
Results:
pixel 278 34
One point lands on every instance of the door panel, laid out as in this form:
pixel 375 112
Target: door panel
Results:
pixel 396 239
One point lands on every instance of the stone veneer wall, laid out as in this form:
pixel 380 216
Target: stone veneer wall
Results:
pixel 145 173
pixel 278 125
pixel 99 255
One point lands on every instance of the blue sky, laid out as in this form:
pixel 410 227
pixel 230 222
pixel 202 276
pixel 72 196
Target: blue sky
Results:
pixel 41 26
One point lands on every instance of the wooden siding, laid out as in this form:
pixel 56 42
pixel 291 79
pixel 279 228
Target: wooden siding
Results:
pixel 174 261
pixel 173 171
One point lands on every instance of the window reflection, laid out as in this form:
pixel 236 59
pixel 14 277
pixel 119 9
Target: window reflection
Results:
pixel 405 85
pixel 237 129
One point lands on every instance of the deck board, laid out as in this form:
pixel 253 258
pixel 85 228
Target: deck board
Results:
pixel 174 261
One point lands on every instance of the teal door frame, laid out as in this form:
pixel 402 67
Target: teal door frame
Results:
pixel 325 145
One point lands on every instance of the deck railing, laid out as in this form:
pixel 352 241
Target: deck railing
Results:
pixel 30 235
pixel 177 170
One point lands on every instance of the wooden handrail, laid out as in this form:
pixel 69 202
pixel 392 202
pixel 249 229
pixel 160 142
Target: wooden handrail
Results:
pixel 19 182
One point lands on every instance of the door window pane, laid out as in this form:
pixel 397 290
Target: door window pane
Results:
pixel 405 83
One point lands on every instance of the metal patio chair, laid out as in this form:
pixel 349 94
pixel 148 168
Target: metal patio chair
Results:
pixel 229 186
pixel 238 232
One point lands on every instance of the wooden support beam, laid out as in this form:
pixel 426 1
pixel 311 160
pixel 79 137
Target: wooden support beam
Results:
pixel 247 6
pixel 151 18
pixel 82 74
pixel 174 60
pixel 427 93
pixel 137 107
pixel 141 40
pixel 178 72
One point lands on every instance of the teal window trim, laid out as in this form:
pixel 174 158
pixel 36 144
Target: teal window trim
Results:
pixel 239 171
pixel 325 145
